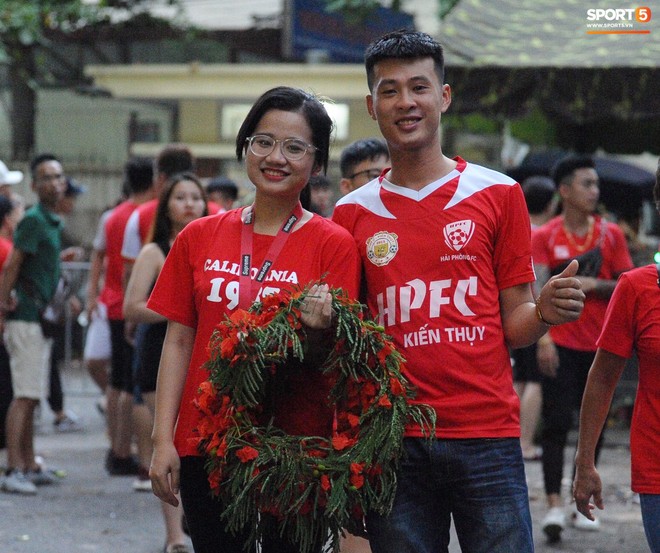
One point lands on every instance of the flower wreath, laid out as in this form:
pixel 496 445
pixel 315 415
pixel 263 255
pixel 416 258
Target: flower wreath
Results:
pixel 313 486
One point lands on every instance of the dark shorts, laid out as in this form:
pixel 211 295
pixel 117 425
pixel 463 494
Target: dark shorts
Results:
pixel 121 367
pixel 525 368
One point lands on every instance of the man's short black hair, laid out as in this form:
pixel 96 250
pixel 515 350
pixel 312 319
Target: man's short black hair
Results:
pixel 538 191
pixel 359 151
pixel 223 185
pixel 566 166
pixel 138 175
pixel 41 158
pixel 175 158
pixel 404 44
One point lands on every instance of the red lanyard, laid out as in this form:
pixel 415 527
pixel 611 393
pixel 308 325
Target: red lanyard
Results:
pixel 246 282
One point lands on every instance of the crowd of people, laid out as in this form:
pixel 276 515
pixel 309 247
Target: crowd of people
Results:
pixel 515 308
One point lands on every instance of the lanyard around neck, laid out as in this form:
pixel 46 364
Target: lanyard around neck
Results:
pixel 246 282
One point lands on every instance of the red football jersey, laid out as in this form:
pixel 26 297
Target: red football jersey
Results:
pixel 605 256
pixel 199 285
pixel 112 294
pixel 435 261
pixel 632 322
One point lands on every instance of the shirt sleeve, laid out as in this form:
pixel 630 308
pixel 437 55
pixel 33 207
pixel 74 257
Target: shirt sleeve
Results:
pixel 27 235
pixel 173 293
pixel 132 243
pixel 99 243
pixel 617 335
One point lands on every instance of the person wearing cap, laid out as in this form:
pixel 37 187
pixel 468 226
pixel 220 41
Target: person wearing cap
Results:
pixel 8 179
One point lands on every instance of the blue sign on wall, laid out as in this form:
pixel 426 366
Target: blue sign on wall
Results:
pixel 309 26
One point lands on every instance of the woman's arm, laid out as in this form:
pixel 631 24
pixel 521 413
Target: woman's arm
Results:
pixel 174 361
pixel 601 383
pixel 147 267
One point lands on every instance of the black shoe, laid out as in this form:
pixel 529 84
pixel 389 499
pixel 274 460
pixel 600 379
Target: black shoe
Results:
pixel 121 466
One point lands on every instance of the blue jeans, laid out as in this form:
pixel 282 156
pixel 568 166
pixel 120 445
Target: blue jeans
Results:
pixel 651 516
pixel 479 482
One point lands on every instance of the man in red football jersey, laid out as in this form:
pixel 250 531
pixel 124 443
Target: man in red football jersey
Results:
pixel 446 254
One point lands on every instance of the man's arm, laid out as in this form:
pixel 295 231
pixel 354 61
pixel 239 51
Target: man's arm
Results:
pixel 525 320
pixel 95 272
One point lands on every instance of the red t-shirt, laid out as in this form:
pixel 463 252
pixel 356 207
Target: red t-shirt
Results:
pixel 5 247
pixel 632 322
pixel 112 294
pixel 553 248
pixel 199 285
pixel 139 226
pixel 435 261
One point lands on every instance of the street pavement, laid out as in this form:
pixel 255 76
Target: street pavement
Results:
pixel 90 511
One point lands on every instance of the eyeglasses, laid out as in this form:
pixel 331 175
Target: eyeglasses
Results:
pixel 292 149
pixel 371 173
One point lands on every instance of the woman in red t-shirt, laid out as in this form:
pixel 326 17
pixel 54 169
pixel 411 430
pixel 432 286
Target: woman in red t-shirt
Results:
pixel 285 140
pixel 632 322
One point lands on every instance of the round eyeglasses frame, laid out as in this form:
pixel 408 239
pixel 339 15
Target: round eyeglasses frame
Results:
pixel 371 173
pixel 284 144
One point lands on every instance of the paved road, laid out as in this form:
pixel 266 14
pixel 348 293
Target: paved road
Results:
pixel 92 512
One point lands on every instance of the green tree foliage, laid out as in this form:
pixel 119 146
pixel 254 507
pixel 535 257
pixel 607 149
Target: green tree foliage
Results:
pixel 27 28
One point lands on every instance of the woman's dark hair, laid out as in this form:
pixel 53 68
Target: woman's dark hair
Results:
pixel 285 98
pixel 6 207
pixel 161 232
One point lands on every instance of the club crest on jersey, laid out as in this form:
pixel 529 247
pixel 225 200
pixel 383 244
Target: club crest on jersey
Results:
pixel 382 247
pixel 458 234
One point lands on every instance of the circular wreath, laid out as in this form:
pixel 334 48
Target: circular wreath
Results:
pixel 313 486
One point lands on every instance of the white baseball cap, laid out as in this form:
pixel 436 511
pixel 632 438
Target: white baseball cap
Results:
pixel 9 177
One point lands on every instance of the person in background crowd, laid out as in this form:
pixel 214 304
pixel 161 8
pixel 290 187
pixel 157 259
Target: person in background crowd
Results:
pixel 223 191
pixel 600 247
pixel 632 323
pixel 320 195
pixel 181 201
pixel 172 159
pixel 285 139
pixel 10 214
pixel 541 199
pixel 119 398
pixel 66 420
pixel 31 273
pixel 362 161
pixel 447 264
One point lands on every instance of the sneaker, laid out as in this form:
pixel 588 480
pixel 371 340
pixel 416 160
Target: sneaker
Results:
pixel 16 482
pixel 580 522
pixel 142 483
pixel 69 423
pixel 44 477
pixel 553 524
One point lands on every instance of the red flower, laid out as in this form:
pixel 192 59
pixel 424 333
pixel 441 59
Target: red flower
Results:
pixel 341 441
pixel 384 401
pixel 357 478
pixel 325 483
pixel 396 387
pixel 247 453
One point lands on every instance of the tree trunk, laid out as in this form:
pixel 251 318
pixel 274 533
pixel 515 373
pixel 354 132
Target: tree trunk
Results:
pixel 22 82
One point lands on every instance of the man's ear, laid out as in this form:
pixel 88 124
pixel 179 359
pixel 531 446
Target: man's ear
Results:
pixel 370 106
pixel 345 186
